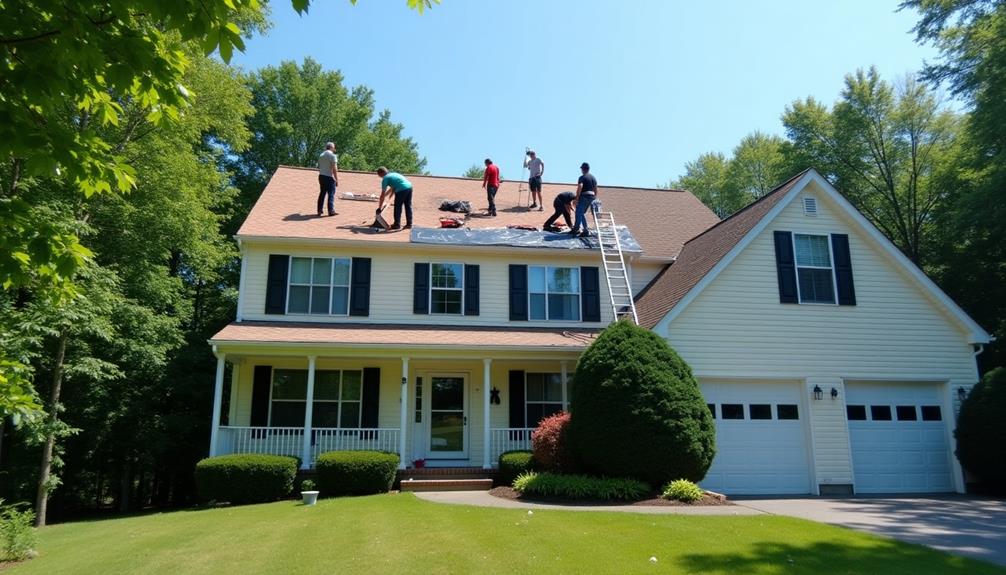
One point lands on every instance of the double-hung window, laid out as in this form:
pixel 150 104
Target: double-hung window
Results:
pixel 553 293
pixel 338 398
pixel 446 288
pixel 542 396
pixel 319 286
pixel 815 275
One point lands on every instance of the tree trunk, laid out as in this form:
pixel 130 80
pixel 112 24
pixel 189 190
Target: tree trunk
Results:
pixel 50 443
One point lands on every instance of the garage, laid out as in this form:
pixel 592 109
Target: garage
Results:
pixel 899 437
pixel 761 439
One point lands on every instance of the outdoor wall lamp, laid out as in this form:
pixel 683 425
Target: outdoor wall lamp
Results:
pixel 834 393
pixel 818 394
pixel 962 393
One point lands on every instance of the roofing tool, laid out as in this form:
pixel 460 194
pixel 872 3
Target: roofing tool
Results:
pixel 524 178
pixel 379 221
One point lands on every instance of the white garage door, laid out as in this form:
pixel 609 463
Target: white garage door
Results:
pixel 761 439
pixel 898 437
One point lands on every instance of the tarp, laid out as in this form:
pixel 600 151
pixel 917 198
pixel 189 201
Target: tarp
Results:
pixel 516 238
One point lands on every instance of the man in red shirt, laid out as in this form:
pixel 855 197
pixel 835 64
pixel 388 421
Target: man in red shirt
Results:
pixel 491 183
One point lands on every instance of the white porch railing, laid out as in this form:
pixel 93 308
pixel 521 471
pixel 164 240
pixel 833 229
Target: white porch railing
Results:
pixel 290 440
pixel 509 439
pixel 332 439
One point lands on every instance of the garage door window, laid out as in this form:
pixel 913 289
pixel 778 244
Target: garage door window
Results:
pixel 760 411
pixel 906 413
pixel 855 412
pixel 931 413
pixel 880 412
pixel 732 410
pixel 787 411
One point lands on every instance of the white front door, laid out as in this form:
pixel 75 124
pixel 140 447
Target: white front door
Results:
pixel 447 416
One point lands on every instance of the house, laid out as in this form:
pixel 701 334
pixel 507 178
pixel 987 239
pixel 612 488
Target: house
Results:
pixel 830 362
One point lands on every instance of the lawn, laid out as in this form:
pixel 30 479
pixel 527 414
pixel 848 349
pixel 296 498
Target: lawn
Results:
pixel 399 533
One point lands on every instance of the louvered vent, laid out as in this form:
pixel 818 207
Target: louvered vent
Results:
pixel 810 207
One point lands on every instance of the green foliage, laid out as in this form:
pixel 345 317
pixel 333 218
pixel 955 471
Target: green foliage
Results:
pixel 356 472
pixel 579 486
pixel 981 430
pixel 637 410
pixel 307 485
pixel 550 444
pixel 245 478
pixel 18 537
pixel 682 490
pixel 512 464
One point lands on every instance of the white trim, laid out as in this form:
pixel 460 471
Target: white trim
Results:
pixel 465 377
pixel 241 288
pixel 305 457
pixel 405 413
pixel 487 462
pixel 831 268
pixel 218 391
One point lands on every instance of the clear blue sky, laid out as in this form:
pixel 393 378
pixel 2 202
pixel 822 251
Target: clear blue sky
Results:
pixel 637 88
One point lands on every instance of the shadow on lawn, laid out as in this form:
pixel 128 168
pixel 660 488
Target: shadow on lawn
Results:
pixel 881 557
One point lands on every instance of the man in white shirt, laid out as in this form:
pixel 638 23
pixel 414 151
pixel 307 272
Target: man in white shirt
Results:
pixel 536 167
pixel 328 178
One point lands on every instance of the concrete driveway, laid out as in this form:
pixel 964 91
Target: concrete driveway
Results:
pixel 971 526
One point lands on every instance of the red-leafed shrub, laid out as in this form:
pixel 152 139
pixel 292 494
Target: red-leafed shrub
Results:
pixel 550 444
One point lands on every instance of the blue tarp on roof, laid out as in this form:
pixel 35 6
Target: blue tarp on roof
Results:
pixel 516 238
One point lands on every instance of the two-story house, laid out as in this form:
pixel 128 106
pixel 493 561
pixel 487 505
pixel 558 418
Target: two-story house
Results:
pixel 829 361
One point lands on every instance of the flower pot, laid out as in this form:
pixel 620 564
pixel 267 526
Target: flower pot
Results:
pixel 310 497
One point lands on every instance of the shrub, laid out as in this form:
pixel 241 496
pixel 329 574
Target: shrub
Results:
pixel 579 486
pixel 356 472
pixel 245 478
pixel 512 464
pixel 637 410
pixel 307 485
pixel 17 533
pixel 550 444
pixel 682 490
pixel 981 430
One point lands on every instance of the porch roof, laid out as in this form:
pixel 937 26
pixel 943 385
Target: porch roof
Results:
pixel 385 335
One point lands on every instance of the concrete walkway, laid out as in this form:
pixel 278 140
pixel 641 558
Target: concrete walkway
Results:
pixel 483 499
pixel 962 525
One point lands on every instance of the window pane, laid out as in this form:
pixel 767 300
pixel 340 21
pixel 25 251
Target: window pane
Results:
pixel 537 310
pixel 350 414
pixel 535 387
pixel 816 285
pixel 445 301
pixel 300 270
pixel 880 412
pixel 326 384
pixel 352 387
pixel 447 275
pixel 536 279
pixel 732 410
pixel 341 272
pixel 855 412
pixel 565 307
pixel 812 251
pixel 906 413
pixel 319 299
pixel 447 432
pixel 322 271
pixel 340 300
pixel 931 413
pixel 535 413
pixel 787 411
pixel 325 414
pixel 298 299
pixel 760 411
pixel 287 414
pixel 553 387
pixel 565 280
pixel 447 393
pixel 289 384
pixel 550 409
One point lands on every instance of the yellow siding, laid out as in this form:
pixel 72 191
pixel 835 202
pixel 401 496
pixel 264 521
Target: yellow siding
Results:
pixel 643 273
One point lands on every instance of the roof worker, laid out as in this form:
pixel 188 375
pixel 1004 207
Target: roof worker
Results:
pixel 328 178
pixel 491 183
pixel 586 193
pixel 536 167
pixel 395 184
pixel 563 205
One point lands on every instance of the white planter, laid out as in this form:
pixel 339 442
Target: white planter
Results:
pixel 310 497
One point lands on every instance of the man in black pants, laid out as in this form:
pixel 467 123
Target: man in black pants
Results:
pixel 563 204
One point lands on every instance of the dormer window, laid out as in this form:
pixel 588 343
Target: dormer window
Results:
pixel 815 278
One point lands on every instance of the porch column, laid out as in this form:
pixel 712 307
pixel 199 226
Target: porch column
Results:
pixel 405 413
pixel 565 396
pixel 486 385
pixel 305 454
pixel 218 394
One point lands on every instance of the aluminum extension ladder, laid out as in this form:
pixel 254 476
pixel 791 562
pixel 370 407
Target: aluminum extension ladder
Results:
pixel 619 288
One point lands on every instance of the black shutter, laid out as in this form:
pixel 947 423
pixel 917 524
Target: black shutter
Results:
pixel 516 398
pixel 275 285
pixel 518 293
pixel 843 269
pixel 261 385
pixel 471 290
pixel 785 267
pixel 359 287
pixel 421 289
pixel 371 396
pixel 590 298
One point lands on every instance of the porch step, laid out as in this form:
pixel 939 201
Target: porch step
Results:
pixel 447 484
pixel 446 473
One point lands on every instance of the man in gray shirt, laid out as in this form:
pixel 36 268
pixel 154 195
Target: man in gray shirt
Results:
pixel 328 178
pixel 536 167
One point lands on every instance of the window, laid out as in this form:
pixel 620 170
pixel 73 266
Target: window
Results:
pixel 906 413
pixel 855 412
pixel 760 410
pixel 542 396
pixel 880 412
pixel 815 281
pixel 446 288
pixel 319 286
pixel 732 411
pixel 931 413
pixel 787 411
pixel 553 293
pixel 338 398
pixel 712 409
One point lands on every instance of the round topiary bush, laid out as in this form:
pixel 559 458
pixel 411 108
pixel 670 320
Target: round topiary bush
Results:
pixel 512 464
pixel 637 410
pixel 550 444
pixel 356 472
pixel 245 478
pixel 981 430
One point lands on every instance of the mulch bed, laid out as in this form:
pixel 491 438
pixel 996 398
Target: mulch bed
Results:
pixel 504 492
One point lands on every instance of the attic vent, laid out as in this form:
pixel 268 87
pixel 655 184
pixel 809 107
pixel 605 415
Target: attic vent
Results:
pixel 810 207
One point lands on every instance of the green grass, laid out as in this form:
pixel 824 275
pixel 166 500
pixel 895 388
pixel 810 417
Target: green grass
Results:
pixel 403 534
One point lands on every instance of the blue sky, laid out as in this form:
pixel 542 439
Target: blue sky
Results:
pixel 635 87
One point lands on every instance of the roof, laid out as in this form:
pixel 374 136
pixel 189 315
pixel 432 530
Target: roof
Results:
pixel 404 335
pixel 660 220
pixel 701 253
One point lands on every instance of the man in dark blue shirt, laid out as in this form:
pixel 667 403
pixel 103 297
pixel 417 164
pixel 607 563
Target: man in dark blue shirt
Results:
pixel 563 205
pixel 586 193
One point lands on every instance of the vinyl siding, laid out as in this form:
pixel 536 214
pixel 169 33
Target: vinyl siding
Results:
pixel 642 274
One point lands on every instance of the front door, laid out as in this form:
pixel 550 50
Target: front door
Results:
pixel 448 420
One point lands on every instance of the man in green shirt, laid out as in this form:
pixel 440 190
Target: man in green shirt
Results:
pixel 393 183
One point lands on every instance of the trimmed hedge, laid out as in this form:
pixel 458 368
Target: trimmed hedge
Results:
pixel 682 490
pixel 356 472
pixel 245 478
pixel 550 444
pixel 981 430
pixel 512 464
pixel 579 486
